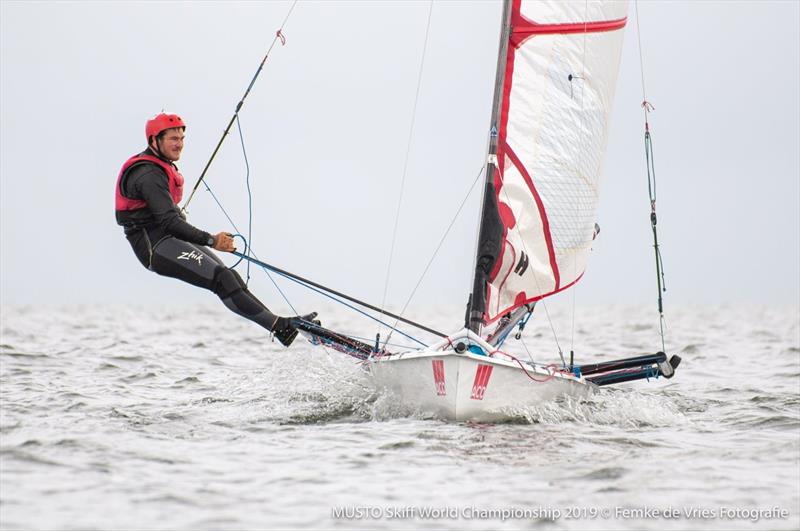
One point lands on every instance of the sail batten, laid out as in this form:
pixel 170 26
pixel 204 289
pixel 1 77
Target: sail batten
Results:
pixel 560 69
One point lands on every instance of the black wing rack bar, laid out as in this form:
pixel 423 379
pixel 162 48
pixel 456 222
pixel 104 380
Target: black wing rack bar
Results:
pixel 322 336
pixel 628 369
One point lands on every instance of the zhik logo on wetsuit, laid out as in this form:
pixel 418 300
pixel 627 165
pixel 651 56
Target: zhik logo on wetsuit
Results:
pixel 191 255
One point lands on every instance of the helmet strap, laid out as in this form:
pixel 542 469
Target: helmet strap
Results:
pixel 154 145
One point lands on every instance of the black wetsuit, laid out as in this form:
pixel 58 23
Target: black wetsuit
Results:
pixel 166 243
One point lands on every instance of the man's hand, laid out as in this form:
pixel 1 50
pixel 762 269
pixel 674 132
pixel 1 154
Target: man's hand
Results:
pixel 223 241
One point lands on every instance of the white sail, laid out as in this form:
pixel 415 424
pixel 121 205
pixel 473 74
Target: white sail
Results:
pixel 561 70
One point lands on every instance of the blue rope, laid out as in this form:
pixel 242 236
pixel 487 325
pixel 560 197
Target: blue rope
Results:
pixel 213 195
pixel 239 261
pixel 525 321
pixel 249 250
pixel 208 188
pixel 312 288
pixel 249 199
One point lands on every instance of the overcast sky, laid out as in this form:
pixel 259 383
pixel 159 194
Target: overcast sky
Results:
pixel 326 127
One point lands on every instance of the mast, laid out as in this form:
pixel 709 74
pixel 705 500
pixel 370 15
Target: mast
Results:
pixel 490 234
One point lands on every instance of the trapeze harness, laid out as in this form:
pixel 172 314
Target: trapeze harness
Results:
pixel 147 193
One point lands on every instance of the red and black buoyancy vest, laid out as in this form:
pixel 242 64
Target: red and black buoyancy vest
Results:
pixel 174 178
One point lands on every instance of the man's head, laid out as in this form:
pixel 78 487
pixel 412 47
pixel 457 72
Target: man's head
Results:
pixel 165 135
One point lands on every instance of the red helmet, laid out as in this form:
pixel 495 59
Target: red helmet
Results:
pixel 161 122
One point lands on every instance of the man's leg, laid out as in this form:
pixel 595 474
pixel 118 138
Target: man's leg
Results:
pixel 200 267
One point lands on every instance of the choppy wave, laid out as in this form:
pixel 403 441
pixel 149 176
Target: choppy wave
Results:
pixel 178 429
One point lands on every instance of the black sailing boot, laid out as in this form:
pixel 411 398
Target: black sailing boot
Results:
pixel 285 331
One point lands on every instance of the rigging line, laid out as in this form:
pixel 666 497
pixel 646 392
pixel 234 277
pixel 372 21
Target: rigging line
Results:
pixel 249 251
pixel 278 37
pixel 322 290
pixel 653 223
pixel 651 169
pixel 249 198
pixel 247 247
pixel 311 283
pixel 651 187
pixel 441 242
pixel 365 314
pixel 308 283
pixel 526 349
pixel 645 104
pixel 405 163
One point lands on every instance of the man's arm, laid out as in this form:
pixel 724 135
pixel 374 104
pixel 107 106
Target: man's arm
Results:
pixel 150 183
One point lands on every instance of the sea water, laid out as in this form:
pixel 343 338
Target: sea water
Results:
pixel 122 417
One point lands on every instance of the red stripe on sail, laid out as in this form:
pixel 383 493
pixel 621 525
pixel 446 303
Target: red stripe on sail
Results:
pixel 523 28
pixel 551 252
pixel 492 318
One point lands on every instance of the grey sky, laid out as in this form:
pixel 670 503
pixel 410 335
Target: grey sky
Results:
pixel 326 128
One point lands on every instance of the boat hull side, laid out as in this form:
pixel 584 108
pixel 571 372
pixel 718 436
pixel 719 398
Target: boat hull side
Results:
pixel 469 386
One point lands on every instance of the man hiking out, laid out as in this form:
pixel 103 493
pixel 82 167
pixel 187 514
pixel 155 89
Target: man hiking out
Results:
pixel 149 188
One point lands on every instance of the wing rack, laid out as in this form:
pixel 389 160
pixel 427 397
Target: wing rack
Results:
pixel 318 335
pixel 628 369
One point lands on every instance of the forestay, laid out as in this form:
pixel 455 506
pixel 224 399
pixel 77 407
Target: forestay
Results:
pixel 558 86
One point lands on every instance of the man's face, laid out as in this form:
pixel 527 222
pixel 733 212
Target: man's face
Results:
pixel 171 144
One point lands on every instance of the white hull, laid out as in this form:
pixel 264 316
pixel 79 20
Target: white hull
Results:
pixel 469 386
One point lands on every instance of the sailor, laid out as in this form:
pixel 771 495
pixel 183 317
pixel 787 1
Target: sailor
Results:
pixel 149 188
